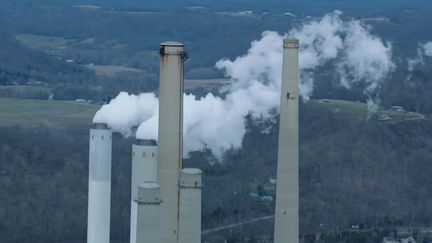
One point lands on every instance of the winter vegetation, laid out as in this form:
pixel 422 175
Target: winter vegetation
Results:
pixel 365 125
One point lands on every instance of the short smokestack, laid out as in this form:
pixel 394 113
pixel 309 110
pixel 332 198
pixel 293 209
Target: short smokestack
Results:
pixel 172 56
pixel 144 168
pixel 190 206
pixel 287 190
pixel 99 193
pixel 148 211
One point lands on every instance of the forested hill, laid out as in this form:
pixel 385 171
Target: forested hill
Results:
pixel 22 65
pixel 127 37
pixel 35 61
pixel 305 7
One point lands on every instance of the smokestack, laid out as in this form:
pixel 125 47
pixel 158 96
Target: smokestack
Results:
pixel 148 210
pixel 172 56
pixel 99 194
pixel 144 168
pixel 287 190
pixel 190 206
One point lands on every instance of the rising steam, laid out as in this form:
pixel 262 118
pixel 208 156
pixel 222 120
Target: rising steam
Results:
pixel 423 51
pixel 218 124
pixel 356 55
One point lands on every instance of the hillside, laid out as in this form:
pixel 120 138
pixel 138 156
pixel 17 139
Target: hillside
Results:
pixel 21 65
pixel 35 61
pixel 120 37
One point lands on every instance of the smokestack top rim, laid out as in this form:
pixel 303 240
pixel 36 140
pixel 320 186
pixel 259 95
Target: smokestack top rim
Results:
pixel 172 43
pixel 101 126
pixel 145 142
pixel 291 42
pixel 149 185
pixel 192 171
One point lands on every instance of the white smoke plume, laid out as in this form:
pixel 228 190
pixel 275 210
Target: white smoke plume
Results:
pixel 127 111
pixel 428 49
pixel 372 106
pixel 423 51
pixel 219 124
pixel 357 55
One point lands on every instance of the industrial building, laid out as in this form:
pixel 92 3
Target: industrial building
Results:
pixel 165 198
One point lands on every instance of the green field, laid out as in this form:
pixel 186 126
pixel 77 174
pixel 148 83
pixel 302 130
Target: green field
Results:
pixel 111 70
pixel 24 91
pixel 45 113
pixel 27 112
pixel 44 42
pixel 359 109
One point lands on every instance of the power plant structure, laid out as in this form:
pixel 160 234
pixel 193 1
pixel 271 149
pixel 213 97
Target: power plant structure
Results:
pixel 99 189
pixel 190 206
pixel 148 212
pixel 156 191
pixel 172 57
pixel 166 198
pixel 144 170
pixel 287 185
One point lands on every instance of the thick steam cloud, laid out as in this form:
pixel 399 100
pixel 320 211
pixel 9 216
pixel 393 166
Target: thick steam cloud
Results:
pixel 428 49
pixel 423 51
pixel 127 111
pixel 219 124
pixel 356 55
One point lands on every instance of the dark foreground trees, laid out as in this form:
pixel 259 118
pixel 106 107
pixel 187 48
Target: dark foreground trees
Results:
pixel 352 172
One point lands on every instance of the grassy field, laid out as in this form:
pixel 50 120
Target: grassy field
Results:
pixel 45 113
pixel 206 83
pixel 360 110
pixel 24 91
pixel 44 42
pixel 25 112
pixel 111 70
pixel 22 88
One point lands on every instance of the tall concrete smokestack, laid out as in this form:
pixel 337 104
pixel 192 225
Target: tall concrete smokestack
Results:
pixel 99 193
pixel 148 210
pixel 170 136
pixel 287 190
pixel 144 169
pixel 190 206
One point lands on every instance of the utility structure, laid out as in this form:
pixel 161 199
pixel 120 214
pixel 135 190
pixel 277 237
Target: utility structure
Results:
pixel 287 187
pixel 144 169
pixel 190 206
pixel 172 57
pixel 99 189
pixel 148 211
